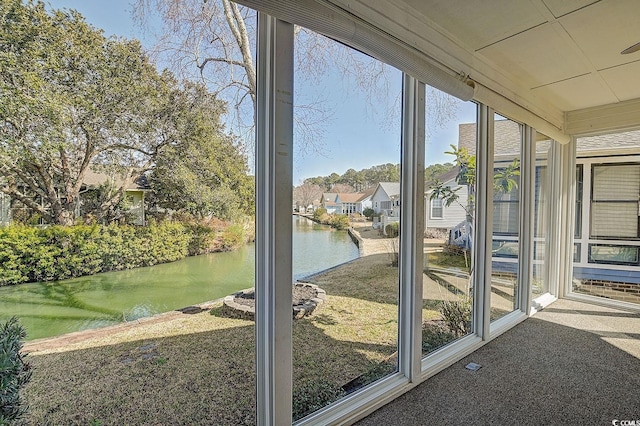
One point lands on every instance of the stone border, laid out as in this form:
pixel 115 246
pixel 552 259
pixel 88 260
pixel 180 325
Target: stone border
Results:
pixel 309 305
pixel 237 310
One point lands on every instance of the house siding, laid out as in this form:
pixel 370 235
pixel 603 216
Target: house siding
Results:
pixel 451 215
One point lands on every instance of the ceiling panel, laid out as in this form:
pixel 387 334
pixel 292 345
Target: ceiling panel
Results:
pixel 576 93
pixel 562 7
pixel 545 55
pixel 537 57
pixel 624 80
pixel 482 23
pixel 604 29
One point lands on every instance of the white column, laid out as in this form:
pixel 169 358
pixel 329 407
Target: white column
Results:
pixel 567 224
pixel 554 213
pixel 274 176
pixel 483 226
pixel 411 263
pixel 527 194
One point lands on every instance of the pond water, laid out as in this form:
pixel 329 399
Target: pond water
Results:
pixel 58 307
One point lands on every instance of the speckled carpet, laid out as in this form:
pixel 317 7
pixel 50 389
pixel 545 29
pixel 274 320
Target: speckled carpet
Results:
pixel 571 364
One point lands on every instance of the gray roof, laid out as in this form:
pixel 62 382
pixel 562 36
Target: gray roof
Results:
pixel 450 175
pixel 608 142
pixel 329 198
pixel 507 137
pixel 391 188
pixel 507 140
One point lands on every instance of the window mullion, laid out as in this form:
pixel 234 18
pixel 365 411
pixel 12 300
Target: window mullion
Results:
pixel 527 187
pixel 411 228
pixel 483 226
pixel 274 177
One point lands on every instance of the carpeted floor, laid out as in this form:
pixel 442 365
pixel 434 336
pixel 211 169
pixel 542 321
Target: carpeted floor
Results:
pixel 571 364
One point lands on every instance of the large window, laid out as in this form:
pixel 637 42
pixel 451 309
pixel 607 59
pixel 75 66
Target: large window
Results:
pixel 615 193
pixel 350 340
pixel 450 176
pixel 607 231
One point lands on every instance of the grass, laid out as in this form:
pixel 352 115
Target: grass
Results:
pixel 200 369
pixel 445 259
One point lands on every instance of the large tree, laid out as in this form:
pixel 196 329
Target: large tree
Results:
pixel 306 193
pixel 71 99
pixel 202 172
pixel 214 40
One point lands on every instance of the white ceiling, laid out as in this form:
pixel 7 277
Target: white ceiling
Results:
pixel 560 55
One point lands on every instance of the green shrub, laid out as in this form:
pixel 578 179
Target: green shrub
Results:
pixel 319 212
pixel 368 213
pixel 339 221
pixel 14 372
pixel 59 252
pixel 202 239
pixel 392 230
pixel 232 237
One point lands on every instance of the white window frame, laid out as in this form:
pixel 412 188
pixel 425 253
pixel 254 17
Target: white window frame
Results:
pixel 432 208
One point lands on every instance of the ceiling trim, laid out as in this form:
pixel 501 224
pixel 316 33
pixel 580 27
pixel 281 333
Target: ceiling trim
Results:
pixel 604 119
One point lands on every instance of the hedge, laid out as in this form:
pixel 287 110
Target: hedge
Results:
pixel 59 252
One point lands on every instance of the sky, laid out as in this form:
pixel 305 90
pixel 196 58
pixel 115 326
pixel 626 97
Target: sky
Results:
pixel 358 134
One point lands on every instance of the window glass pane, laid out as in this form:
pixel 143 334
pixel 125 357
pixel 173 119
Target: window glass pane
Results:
pixel 616 182
pixel 605 253
pixel 606 259
pixel 450 177
pixel 542 183
pixel 578 225
pixel 346 174
pixel 625 224
pixel 506 216
pixel 149 219
pixel 615 193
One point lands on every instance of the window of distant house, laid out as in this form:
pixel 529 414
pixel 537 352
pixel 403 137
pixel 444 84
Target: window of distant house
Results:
pixel 614 201
pixel 385 205
pixel 437 209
